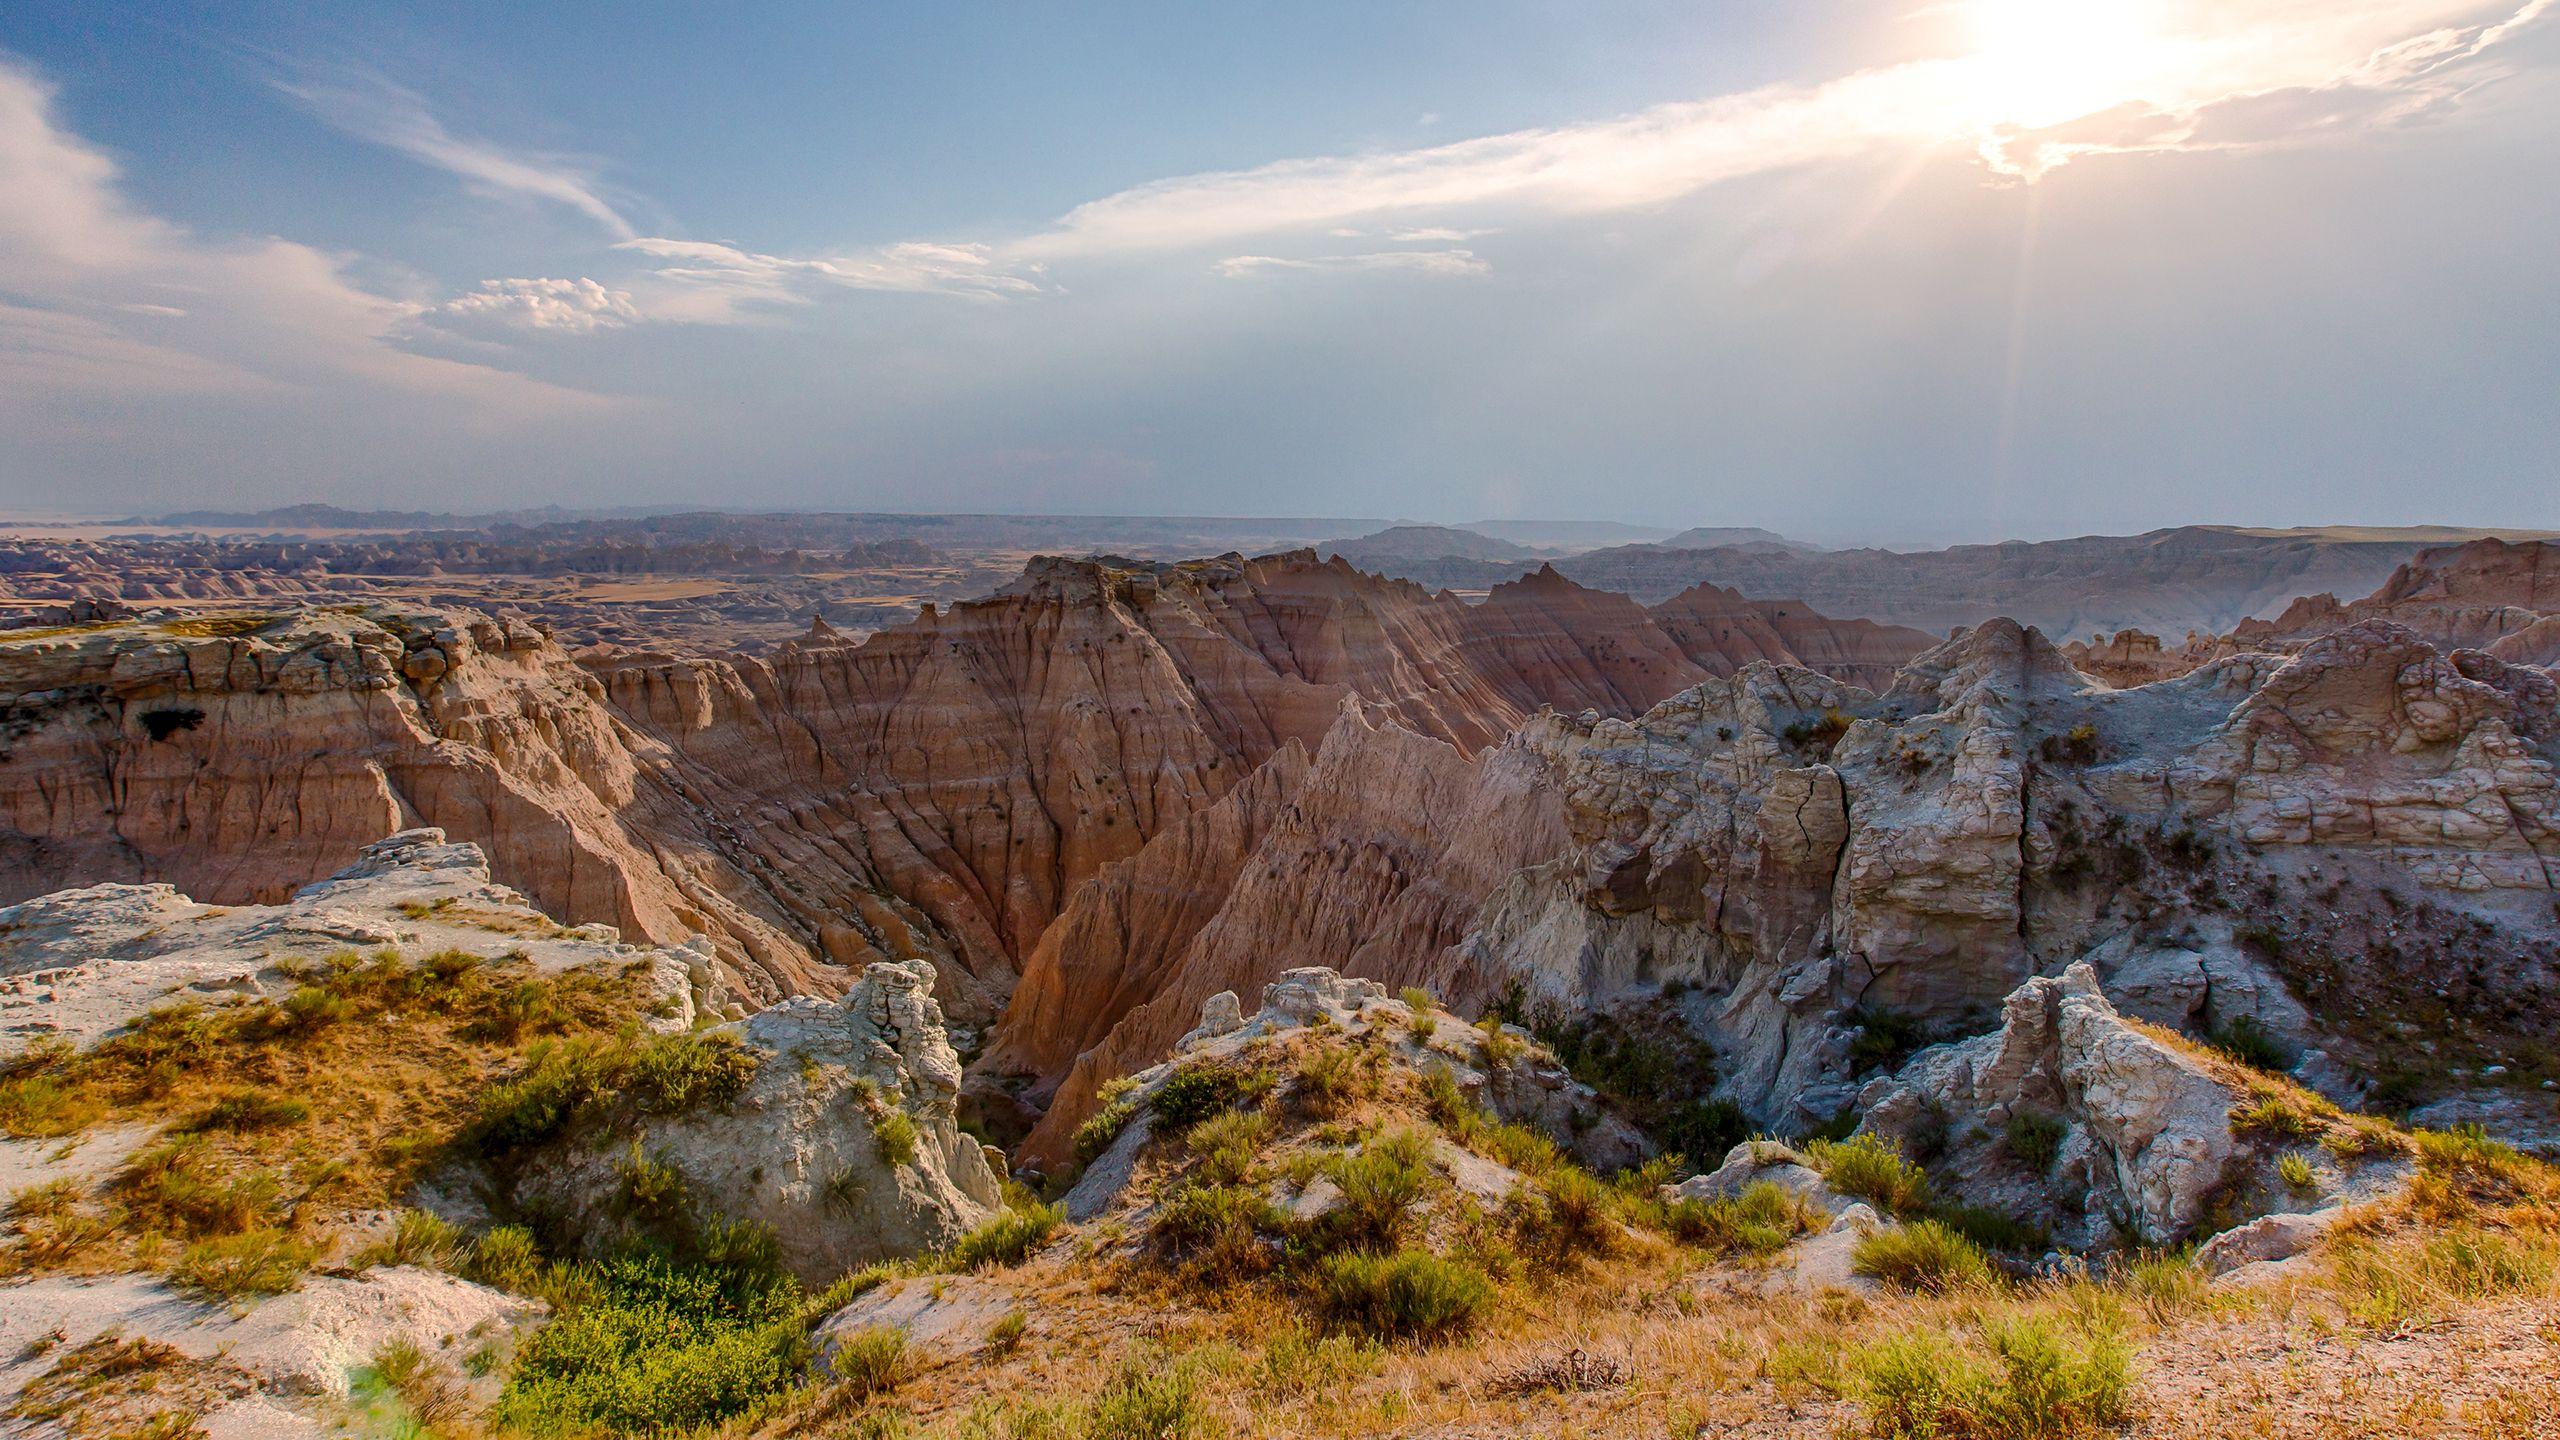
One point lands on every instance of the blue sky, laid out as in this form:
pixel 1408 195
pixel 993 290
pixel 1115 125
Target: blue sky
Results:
pixel 1926 270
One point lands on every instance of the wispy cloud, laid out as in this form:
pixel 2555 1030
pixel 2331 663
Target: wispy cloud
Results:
pixel 1425 262
pixel 373 108
pixel 91 280
pixel 2410 52
pixel 721 282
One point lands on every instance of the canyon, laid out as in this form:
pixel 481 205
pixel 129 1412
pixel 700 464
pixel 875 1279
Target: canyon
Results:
pixel 904 930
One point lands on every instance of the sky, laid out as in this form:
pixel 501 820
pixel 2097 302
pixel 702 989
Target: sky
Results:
pixel 1869 270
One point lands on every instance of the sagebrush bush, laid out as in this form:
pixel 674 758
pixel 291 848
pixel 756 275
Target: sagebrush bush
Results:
pixel 416 1238
pixel 1216 1230
pixel 1760 1220
pixel 871 1361
pixel 1332 1078
pixel 1228 1145
pixel 1193 1093
pixel 1380 1183
pixel 1008 1239
pixel 1923 1255
pixel 1868 1166
pixel 1408 1295
pixel 2041 1379
pixel 565 1082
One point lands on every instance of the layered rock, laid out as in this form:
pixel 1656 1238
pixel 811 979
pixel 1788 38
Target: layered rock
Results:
pixel 1795 860
pixel 1722 631
pixel 1372 858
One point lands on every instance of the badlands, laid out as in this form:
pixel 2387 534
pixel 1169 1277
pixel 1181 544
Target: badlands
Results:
pixel 1241 996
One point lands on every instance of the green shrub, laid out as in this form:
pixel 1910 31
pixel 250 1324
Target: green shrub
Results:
pixel 1760 1220
pixel 2040 1381
pixel 506 1258
pixel 1569 1213
pixel 1869 1167
pixel 2279 1115
pixel 1103 1126
pixel 1008 1239
pixel 311 1008
pixel 250 1110
pixel 1379 1185
pixel 1409 1295
pixel 2295 1170
pixel 1991 1229
pixel 1523 1148
pixel 1332 1078
pixel 237 1267
pixel 652 1190
pixel 2035 1138
pixel 417 1238
pixel 871 1361
pixel 657 1347
pixel 1193 1093
pixel 1216 1230
pixel 567 1082
pixel 894 1131
pixel 1149 1399
pixel 1924 1255
pixel 1005 1336
pixel 1228 1145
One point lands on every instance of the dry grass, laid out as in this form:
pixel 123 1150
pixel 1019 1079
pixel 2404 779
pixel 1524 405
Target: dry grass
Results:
pixel 279 1113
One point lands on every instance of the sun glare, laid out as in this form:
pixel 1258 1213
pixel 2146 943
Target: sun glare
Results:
pixel 2041 62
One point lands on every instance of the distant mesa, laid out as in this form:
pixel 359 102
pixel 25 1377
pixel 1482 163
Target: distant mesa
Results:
pixel 1398 544
pixel 1742 537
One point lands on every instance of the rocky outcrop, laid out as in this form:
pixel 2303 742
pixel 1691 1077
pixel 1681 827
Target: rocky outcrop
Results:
pixel 2074 1119
pixel 1796 862
pixel 78 964
pixel 1514 1079
pixel 845 1142
pixel 2494 595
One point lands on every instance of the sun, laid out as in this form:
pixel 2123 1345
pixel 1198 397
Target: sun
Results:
pixel 2041 62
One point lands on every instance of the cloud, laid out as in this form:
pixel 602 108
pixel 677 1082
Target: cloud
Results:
pixel 2205 56
pixel 1425 262
pixel 104 297
pixel 577 307
pixel 373 108
pixel 718 282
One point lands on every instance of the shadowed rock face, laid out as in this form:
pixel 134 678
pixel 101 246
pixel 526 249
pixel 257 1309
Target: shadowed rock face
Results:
pixel 2369 820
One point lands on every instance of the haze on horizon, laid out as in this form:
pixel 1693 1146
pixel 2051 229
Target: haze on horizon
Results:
pixel 1970 269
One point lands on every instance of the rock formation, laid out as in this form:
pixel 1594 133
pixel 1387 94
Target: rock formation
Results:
pixel 2070 1117
pixel 937 792
pixel 1372 858
pixel 77 965
pixel 844 1143
pixel 1794 862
